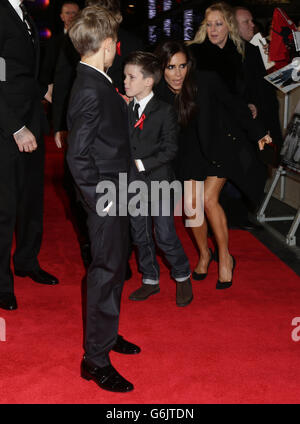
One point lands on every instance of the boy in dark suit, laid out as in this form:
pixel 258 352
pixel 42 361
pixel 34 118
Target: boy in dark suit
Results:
pixel 98 150
pixel 153 139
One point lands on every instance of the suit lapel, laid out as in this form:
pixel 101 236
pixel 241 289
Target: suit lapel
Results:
pixel 22 27
pixel 150 107
pixel 16 17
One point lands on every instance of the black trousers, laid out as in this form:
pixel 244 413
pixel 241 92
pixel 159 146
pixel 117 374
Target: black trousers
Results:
pixel 21 208
pixel 105 279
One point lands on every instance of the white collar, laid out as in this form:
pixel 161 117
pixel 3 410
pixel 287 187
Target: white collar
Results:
pixel 96 69
pixel 143 102
pixel 15 3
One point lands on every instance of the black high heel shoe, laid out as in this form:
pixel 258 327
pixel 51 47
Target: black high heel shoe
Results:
pixel 200 276
pixel 226 284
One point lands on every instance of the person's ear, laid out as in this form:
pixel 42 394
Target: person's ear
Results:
pixel 107 43
pixel 149 81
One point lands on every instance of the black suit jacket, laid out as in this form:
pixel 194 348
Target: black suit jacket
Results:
pixel 98 143
pixel 156 142
pixel 262 93
pixel 21 93
pixel 65 72
pixel 52 50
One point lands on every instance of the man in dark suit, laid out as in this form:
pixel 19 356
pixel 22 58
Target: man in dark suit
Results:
pixel 99 151
pixel 262 92
pixel 69 10
pixel 153 140
pixel 22 123
pixel 64 76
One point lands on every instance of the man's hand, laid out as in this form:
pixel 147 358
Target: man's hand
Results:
pixel 60 138
pixel 265 140
pixel 253 110
pixel 25 140
pixel 48 95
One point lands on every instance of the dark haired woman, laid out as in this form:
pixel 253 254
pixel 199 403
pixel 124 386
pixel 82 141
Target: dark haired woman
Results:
pixel 213 147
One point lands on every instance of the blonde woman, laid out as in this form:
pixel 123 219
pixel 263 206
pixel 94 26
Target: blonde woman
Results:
pixel 217 46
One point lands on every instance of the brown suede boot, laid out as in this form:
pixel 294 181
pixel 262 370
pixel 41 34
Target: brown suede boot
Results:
pixel 184 292
pixel 144 292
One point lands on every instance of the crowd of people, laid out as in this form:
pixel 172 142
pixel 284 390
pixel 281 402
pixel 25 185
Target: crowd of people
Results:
pixel 198 112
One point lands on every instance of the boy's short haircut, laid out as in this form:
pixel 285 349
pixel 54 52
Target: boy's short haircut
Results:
pixel 112 6
pixel 90 28
pixel 148 62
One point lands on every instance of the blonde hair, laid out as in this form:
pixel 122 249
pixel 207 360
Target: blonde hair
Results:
pixel 112 6
pixel 90 27
pixel 229 18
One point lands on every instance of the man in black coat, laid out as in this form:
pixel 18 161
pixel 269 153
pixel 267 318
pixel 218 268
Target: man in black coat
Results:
pixel 263 94
pixel 69 10
pixel 22 123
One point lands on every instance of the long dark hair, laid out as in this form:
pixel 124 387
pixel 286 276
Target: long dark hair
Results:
pixel 185 102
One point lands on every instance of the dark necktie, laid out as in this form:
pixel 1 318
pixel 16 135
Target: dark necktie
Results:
pixel 136 112
pixel 26 21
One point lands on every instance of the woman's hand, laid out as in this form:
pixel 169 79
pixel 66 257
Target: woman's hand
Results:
pixel 265 140
pixel 253 110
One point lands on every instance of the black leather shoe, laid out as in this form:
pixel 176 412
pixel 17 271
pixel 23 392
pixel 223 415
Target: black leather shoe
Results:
pixel 226 284
pixel 200 276
pixel 8 301
pixel 39 276
pixel 123 346
pixel 107 377
pixel 184 292
pixel 144 292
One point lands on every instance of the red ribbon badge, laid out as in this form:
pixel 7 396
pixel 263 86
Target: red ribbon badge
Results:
pixel 118 48
pixel 140 122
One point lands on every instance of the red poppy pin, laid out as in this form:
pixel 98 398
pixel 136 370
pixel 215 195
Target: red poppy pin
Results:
pixel 118 48
pixel 140 122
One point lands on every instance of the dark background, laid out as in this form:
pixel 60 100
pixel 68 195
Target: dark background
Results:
pixel 46 14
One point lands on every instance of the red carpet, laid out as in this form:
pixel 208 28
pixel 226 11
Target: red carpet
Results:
pixel 231 346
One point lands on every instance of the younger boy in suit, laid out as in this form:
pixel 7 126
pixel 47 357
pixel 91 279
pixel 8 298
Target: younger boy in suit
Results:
pixel 98 150
pixel 153 139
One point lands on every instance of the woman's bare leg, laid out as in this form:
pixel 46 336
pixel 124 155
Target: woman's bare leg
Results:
pixel 199 232
pixel 217 219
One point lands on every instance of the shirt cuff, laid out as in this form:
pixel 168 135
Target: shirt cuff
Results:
pixel 15 133
pixel 139 165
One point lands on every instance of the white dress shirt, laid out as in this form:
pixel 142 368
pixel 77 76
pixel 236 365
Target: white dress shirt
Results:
pixel 16 5
pixel 143 103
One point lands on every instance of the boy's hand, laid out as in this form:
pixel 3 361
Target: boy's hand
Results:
pixel 48 95
pixel 60 138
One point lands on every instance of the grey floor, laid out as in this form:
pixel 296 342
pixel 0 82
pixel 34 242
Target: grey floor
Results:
pixel 273 234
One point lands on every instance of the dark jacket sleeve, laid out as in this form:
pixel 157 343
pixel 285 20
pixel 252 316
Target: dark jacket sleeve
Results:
pixel 237 110
pixel 168 141
pixel 64 76
pixel 9 121
pixel 84 116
